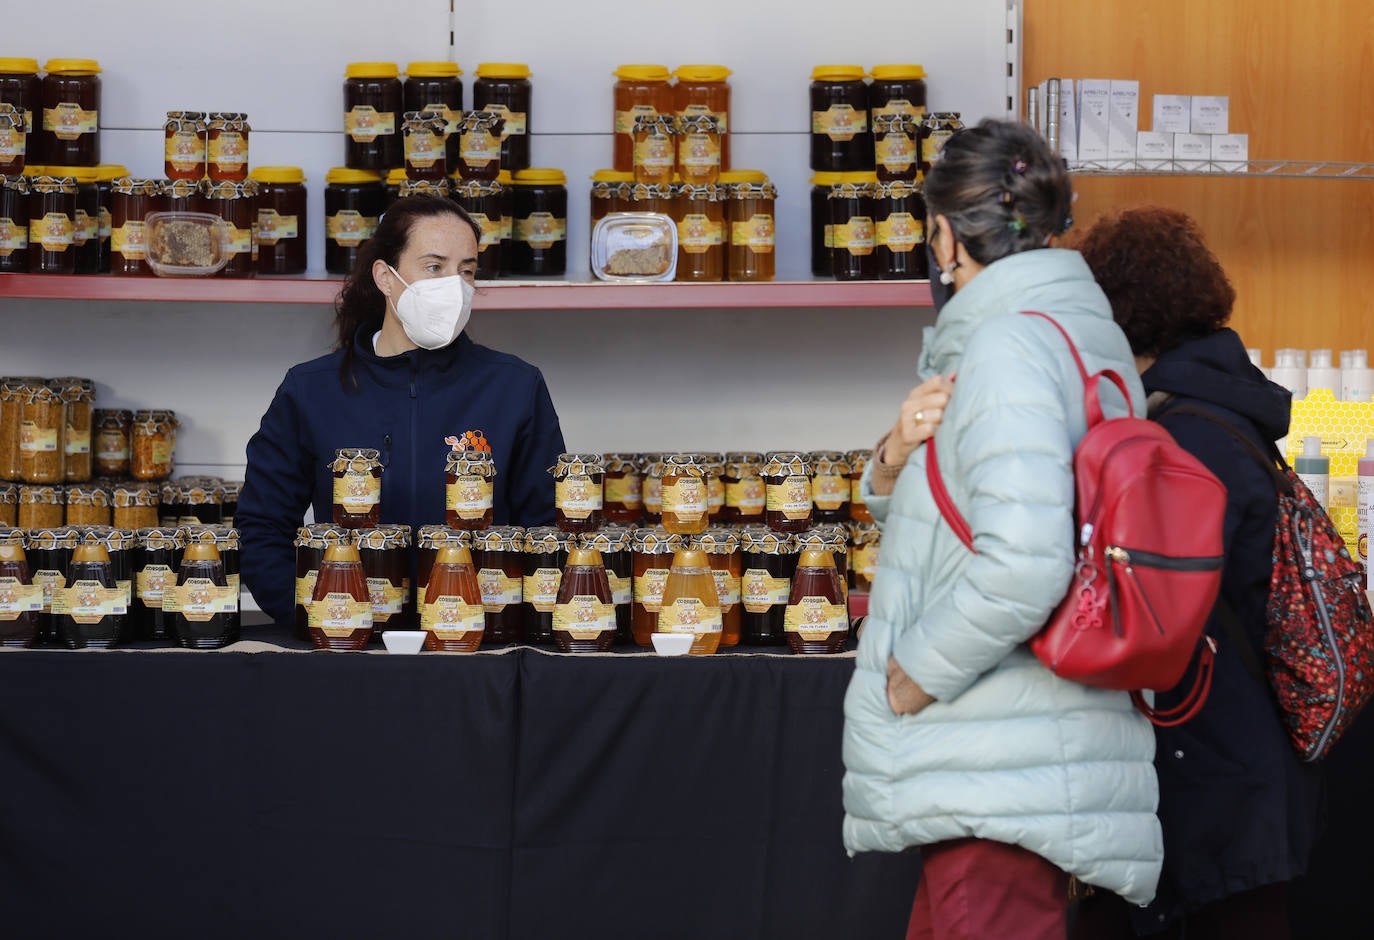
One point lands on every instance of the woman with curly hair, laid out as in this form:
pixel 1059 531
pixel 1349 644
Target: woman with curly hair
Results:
pixel 1238 808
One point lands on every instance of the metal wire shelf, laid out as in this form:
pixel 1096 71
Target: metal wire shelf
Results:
pixel 1284 169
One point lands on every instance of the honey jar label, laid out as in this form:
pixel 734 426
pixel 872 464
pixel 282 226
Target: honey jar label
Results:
pixel 541 589
pixel 89 602
pixel 791 497
pixel 648 588
pixel 349 228
pixel 130 241
pixel 105 223
pixel 469 497
pixel 153 582
pixel 865 560
pixel 451 617
pixel 697 234
pixel 576 496
pixel 51 582
pixel 201 599
pixel 68 121
pixel 127 587
pixel 78 441
pixel 855 236
pixel 746 495
pixel 901 231
pixel 240 240
pixel 228 150
pixel 13 237
pixel 357 491
pixel 830 236
pixel 701 110
pixel 12 142
pixel 424 148
pixel 839 122
pixel 28 121
pixel 16 598
pixel 516 122
pixel 305 588
pixel 830 491
pixel 897 152
pixel 856 495
pixel 499 590
pixel 584 617
pixel 622 589
pixel 88 227
pixel 653 494
pixel 900 106
pixel 36 440
pixel 815 618
pixel 933 144
pixel 757 234
pixel 479 147
pixel 55 232
pixel 541 230
pixel 715 493
pixel 80 225
pixel 365 123
pixel 625 120
pixel 185 150
pixel 337 614
pixel 112 446
pixel 686 499
pixel 627 491
pixel 654 152
pixel 491 230
pixel 273 227
pixel 761 591
pixel 727 589
pixel 699 151
pixel 507 228
pixel 161 452
pixel 689 615
pixel 387 598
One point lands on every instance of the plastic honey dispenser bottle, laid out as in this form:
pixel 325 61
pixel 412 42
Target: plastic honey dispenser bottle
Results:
pixel 1315 470
pixel 340 612
pixel 584 614
pixel 1365 513
pixel 452 615
pixel 817 620
pixel 691 603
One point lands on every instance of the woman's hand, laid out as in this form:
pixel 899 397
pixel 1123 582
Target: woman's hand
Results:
pixel 904 696
pixel 917 420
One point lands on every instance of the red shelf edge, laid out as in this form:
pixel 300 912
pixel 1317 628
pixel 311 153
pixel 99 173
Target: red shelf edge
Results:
pixel 492 295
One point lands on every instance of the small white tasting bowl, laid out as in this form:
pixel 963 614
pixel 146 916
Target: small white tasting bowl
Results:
pixel 403 641
pixel 672 644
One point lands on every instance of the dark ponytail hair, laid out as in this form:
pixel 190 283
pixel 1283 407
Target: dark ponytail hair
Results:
pixel 360 302
pixel 1001 188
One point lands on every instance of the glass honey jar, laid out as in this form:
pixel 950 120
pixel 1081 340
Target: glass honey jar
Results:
pixel 610 192
pixel 715 488
pixel 578 498
pixel 357 487
pixel 866 539
pixel 699 149
pixel 829 486
pixel 614 544
pixel 840 137
pixel 896 141
pixel 505 89
pixel 186 135
pixel 52 224
pixel 655 155
pixel 652 553
pixel 898 89
pixel 69 130
pixel 468 489
pixel 546 554
pixel 135 505
pixel 111 444
pixel 700 217
pixel 152 442
pixel 691 603
pixel 479 145
pixel 423 135
pixel 858 462
pixel 705 90
pixel 340 613
pixel 436 87
pixel 226 147
pixel 787 492
pixel 685 507
pixel 936 128
pixel 752 232
pixel 723 552
pixel 42 428
pixel 499 557
pixel 385 555
pixel 584 613
pixel 14 223
pixel 853 231
pixel 816 620
pixel 87 504
pixel 13 147
pixel 155 562
pixel 40 506
pixel 622 489
pixel 373 105
pixel 769 562
pixel 9 504
pixel 21 601
pixel 744 488
pixel 899 214
pixel 640 91
pixel 651 468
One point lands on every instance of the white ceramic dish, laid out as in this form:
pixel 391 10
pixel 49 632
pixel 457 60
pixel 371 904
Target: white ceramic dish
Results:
pixel 672 644
pixel 403 641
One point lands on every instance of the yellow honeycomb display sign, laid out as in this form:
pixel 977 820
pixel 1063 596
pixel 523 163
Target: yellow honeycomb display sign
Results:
pixel 1343 426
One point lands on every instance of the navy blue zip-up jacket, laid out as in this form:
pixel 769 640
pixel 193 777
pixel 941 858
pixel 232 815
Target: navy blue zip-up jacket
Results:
pixel 406 407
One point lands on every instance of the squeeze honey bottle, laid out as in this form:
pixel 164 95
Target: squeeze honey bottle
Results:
pixel 722 548
pixel 312 542
pixel 452 615
pixel 787 481
pixel 340 613
pixel 817 620
pixel 833 538
pixel 468 493
pixel 357 487
pixel 584 612
pixel 429 541
pixel 90 609
pixel 21 601
pixel 691 603
pixel 613 542
pixel 202 605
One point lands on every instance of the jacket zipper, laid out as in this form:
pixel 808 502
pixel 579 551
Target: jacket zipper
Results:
pixel 1131 557
pixel 414 443
pixel 1310 575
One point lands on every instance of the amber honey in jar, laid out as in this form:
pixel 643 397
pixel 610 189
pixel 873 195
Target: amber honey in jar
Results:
pixel 155 562
pixel 340 613
pixel 817 620
pixel 853 231
pixel 40 506
pixel 52 224
pixel 153 441
pixel 14 223
pixel 429 540
pixel 705 90
pixel 651 467
pixel 373 104
pixel 354 201
pixel 751 229
pixel 186 134
pixel 183 195
pixel 723 552
pixel 866 539
pixel 578 498
pixel 42 430
pixel 546 552
pixel 622 489
pixel 744 488
pixel 539 209
pixel 699 149
pixel 90 609
pixel 21 88
pixel 936 128
pixel 641 91
pixel 685 506
pixel 236 204
pixel 655 154
pixel 357 487
pixel 78 400
pixel 468 489
pixel 422 134
pixel 504 88
pixel 226 147
pixel 134 505
pixel 436 87
pixel 281 236
pixel 614 544
pixel 484 201
pixel 451 614
pixel 610 193
pixel 787 492
pixel 479 145
pixel 899 213
pixel 858 462
pixel 69 133
pixel 385 555
pixel 896 141
pixel 311 543
pixel 131 201
pixel 830 486
pixel 691 603
pixel 499 557
pixel 833 538
pixel 584 612
pixel 21 601
pixel 88 504
pixel 13 140
pixel 14 392
pixel 9 504
pixel 840 138
pixel 700 232
pixel 715 487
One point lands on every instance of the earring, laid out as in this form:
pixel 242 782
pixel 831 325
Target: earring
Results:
pixel 946 278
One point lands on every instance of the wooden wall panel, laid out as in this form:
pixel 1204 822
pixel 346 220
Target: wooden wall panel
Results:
pixel 1299 80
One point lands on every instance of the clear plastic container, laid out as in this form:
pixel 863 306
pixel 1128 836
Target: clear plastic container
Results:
pixel 635 247
pixel 187 244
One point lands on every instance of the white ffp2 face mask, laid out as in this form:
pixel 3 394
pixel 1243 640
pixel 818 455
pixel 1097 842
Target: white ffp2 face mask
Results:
pixel 435 310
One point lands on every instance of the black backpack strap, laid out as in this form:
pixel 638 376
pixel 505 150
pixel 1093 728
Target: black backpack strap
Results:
pixel 1271 461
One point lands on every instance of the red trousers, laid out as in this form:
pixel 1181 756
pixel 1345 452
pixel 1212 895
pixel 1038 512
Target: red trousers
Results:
pixel 973 889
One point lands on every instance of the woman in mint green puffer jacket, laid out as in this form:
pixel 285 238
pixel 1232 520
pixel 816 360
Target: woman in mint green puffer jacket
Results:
pixel 992 746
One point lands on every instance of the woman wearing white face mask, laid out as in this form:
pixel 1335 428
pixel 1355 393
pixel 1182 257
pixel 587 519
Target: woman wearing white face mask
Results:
pixel 406 381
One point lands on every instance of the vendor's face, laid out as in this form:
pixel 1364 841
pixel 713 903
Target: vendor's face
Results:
pixel 439 246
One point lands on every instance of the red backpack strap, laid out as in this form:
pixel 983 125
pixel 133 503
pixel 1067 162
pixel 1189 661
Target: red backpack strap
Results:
pixel 948 510
pixel 1192 703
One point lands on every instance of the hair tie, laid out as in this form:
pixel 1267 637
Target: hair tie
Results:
pixel 1018 166
pixel 1017 224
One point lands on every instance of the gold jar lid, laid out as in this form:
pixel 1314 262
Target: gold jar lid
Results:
pixel 585 557
pixel 342 553
pixel 864 533
pixel 112 419
pixel 686 465
pixel 87 494
pixel 620 463
pixel 131 186
pixel 655 541
pixel 38 495
pixel 608 540
pixel 815 558
pixel 60 537
pixel 577 465
pixel 320 536
pixel 787 463
pixel 761 540
pixel 108 537
pixel 505 538
pixel 545 540
pixel 383 537
pixel 437 536
pixel 828 463
pixel 717 540
pixel 124 495
pixel 159 537
pixel 470 463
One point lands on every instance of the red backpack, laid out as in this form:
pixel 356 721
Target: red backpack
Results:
pixel 1149 557
pixel 1319 630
